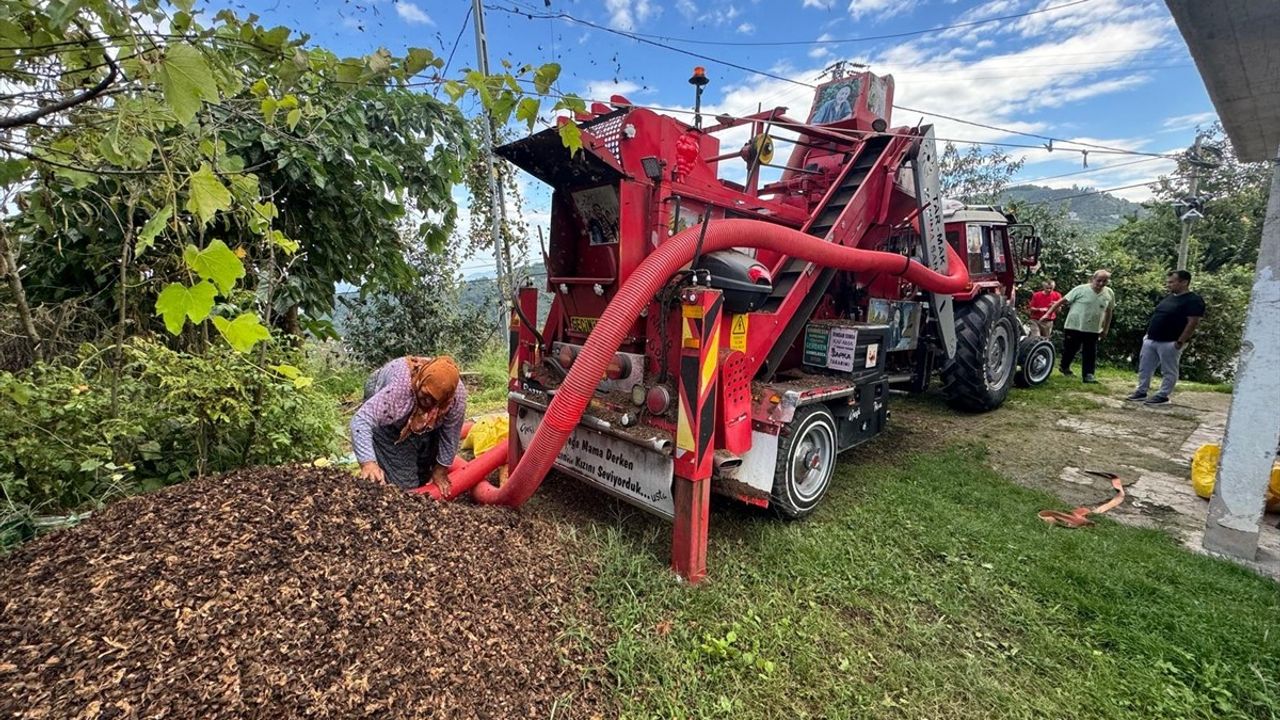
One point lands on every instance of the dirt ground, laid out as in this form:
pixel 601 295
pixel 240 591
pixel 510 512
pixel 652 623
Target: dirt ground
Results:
pixel 1049 446
pixel 297 592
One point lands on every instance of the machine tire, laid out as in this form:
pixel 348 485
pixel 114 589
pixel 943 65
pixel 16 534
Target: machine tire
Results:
pixel 978 378
pixel 1036 359
pixel 809 439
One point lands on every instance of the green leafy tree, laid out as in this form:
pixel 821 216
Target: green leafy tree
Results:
pixel 220 157
pixel 423 317
pixel 975 176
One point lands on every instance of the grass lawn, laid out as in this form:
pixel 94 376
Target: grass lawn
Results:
pixel 927 587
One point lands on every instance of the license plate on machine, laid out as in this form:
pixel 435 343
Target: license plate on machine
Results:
pixel 627 471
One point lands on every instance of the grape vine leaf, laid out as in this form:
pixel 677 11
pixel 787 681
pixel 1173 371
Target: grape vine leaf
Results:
pixel 527 111
pixel 206 194
pixel 215 263
pixel 153 227
pixel 178 302
pixel 186 80
pixel 571 136
pixel 242 333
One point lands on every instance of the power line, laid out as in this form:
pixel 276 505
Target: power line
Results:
pixel 763 73
pixel 465 19
pixel 1100 168
pixel 775 43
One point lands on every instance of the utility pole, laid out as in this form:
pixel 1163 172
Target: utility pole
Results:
pixel 1188 217
pixel 496 209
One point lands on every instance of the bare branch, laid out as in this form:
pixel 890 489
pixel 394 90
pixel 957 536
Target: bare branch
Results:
pixel 65 103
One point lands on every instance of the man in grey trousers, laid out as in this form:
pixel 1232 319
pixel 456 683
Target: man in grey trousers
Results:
pixel 1170 329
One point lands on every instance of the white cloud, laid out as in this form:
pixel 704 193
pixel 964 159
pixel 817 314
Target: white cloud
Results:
pixel 819 4
pixel 746 28
pixel 880 9
pixel 412 13
pixel 687 9
pixel 602 89
pixel 630 14
pixel 1188 122
pixel 818 52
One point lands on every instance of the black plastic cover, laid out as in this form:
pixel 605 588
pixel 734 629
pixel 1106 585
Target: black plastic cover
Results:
pixel 731 274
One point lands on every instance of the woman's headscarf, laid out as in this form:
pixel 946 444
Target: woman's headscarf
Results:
pixel 434 381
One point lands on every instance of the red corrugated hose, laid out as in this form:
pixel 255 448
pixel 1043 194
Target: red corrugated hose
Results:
pixel 638 291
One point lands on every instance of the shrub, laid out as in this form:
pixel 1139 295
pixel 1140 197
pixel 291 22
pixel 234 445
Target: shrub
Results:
pixel 65 443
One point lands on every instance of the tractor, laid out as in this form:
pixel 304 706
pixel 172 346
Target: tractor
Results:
pixel 724 319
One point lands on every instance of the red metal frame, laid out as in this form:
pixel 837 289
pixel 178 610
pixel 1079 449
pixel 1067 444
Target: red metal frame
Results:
pixel 665 174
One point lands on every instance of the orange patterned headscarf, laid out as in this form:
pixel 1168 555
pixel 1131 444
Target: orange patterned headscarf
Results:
pixel 434 381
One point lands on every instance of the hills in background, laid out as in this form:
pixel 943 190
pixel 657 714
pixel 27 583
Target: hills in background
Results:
pixel 1095 214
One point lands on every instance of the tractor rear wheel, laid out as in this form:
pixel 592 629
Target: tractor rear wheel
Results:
pixel 806 460
pixel 1035 362
pixel 977 379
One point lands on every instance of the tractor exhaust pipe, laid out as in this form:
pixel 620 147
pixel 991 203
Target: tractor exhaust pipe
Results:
pixel 637 292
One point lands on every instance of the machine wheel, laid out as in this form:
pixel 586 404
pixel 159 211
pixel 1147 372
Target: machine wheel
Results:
pixel 1035 362
pixel 806 460
pixel 977 379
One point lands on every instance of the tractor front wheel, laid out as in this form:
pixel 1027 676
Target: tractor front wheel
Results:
pixel 806 460
pixel 977 379
pixel 1035 362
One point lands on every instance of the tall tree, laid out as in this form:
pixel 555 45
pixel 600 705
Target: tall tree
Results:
pixel 976 176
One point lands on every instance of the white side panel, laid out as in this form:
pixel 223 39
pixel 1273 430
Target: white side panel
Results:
pixel 758 464
pixel 639 476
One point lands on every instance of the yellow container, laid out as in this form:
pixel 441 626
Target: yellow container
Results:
pixel 1204 471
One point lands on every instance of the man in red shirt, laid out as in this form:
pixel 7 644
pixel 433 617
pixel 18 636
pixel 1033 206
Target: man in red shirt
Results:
pixel 1042 324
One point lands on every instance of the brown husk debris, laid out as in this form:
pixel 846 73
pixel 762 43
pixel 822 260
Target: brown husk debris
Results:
pixel 296 592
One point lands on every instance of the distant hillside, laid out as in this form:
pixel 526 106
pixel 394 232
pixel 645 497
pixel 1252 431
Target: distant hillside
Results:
pixel 1095 214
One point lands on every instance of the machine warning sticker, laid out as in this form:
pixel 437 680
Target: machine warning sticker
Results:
pixel 738 333
pixel 583 324
pixel 873 354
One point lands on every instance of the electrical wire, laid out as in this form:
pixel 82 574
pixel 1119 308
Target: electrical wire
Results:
pixel 466 19
pixel 1099 168
pixel 777 43
pixel 1092 147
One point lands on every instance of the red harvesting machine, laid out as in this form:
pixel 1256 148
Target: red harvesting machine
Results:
pixel 724 322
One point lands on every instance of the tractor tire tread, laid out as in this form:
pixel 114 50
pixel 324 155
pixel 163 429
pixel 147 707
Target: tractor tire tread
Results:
pixel 964 376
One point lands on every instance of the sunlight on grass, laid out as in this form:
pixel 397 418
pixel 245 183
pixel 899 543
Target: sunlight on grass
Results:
pixel 930 589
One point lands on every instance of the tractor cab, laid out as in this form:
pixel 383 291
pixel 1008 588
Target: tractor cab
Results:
pixel 998 250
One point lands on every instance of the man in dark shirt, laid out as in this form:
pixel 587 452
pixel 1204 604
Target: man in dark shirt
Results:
pixel 1170 329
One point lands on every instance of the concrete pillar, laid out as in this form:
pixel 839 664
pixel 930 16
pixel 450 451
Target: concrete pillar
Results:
pixel 1253 425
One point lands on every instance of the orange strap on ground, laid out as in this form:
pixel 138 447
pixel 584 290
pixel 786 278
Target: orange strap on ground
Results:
pixel 1078 517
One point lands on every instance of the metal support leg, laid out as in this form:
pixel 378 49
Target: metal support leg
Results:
pixel 522 348
pixel 695 430
pixel 1253 425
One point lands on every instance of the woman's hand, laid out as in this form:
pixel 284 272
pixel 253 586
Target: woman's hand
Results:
pixel 440 476
pixel 370 470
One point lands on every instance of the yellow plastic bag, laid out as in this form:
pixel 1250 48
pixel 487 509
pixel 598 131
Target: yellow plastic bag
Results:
pixel 487 432
pixel 1204 471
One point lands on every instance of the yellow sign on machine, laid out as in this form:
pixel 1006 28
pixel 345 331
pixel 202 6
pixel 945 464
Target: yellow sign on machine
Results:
pixel 738 333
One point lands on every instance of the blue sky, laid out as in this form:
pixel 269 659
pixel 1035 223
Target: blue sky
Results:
pixel 1109 72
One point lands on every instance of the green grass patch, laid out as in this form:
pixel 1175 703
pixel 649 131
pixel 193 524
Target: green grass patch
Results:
pixel 930 589
pixel 492 395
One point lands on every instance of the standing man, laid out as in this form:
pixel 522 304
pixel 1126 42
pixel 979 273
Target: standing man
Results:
pixel 1042 300
pixel 1088 320
pixel 1169 330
